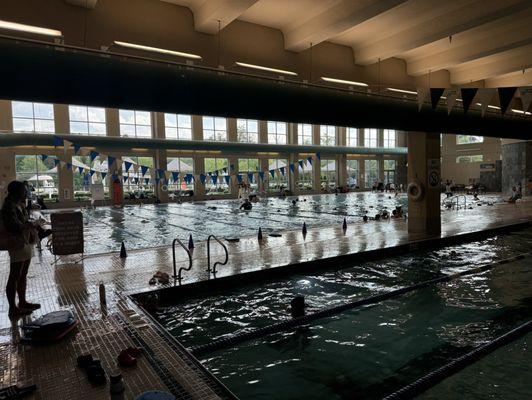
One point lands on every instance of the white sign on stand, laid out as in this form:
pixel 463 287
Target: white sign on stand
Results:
pixel 97 191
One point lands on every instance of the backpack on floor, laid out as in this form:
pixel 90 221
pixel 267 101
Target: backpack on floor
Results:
pixel 50 327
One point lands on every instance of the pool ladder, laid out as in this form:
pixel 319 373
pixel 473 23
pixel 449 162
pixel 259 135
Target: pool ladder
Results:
pixel 177 276
pixel 456 200
pixel 213 270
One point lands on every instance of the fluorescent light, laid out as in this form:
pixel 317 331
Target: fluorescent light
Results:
pixel 401 91
pixel 253 66
pixel 520 112
pixel 13 26
pixel 343 81
pixel 489 106
pixel 157 50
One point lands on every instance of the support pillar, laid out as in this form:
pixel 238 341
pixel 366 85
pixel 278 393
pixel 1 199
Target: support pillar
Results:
pixel 424 170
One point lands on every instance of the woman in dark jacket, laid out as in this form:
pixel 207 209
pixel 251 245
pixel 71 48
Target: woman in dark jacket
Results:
pixel 17 224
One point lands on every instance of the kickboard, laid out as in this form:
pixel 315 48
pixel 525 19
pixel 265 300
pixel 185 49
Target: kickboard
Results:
pixel 49 328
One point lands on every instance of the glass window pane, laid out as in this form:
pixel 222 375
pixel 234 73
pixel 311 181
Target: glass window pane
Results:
pixel 185 121
pixel 42 110
pixel 143 131
pixel 208 123
pixel 44 125
pixel 127 130
pixel 22 109
pixel 220 124
pixel 97 128
pixel 185 134
pixel 142 118
pixel 79 127
pixel 170 133
pixel 96 114
pixel 170 120
pixel 126 116
pixel 77 113
pixel 23 125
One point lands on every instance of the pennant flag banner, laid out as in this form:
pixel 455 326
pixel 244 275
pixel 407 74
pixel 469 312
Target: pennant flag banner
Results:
pixel 161 173
pixel 214 179
pixel 261 175
pixel 300 162
pixel 93 154
pixel 293 168
pixel 318 155
pixel 44 157
pixel 435 95
pixel 452 95
pixel 239 178
pixel 80 170
pixel 225 170
pixel 91 172
pixel 147 181
pixel 104 174
pixel 143 169
pixel 125 178
pixel 202 177
pixel 281 170
pixel 485 95
pixel 227 179
pixel 309 159
pixel 189 177
pixel 127 165
pixel 272 173
pixel 467 97
pixel 175 176
pixel 506 96
pixel 56 162
pixel 58 141
pixel 250 177
pixel 110 161
pixel 526 97
pixel 136 180
pixel 77 148
pixel 232 167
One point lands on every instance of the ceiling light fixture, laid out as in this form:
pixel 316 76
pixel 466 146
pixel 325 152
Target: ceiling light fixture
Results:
pixel 401 91
pixel 489 106
pixel 344 82
pixel 521 112
pixel 13 26
pixel 253 66
pixel 157 50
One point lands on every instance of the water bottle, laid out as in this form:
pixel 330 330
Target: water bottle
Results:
pixel 103 299
pixel 116 388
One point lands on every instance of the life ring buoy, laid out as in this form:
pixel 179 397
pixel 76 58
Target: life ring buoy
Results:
pixel 416 191
pixel 164 188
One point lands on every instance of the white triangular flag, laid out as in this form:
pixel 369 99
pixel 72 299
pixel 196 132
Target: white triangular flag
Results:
pixel 526 97
pixel 485 95
pixel 422 94
pixel 452 95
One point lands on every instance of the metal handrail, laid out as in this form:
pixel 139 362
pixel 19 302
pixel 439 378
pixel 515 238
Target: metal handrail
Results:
pixel 213 270
pixel 178 275
pixel 456 197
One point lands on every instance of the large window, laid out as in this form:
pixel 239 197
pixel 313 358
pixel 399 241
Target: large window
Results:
pixel 135 123
pixel 328 175
pixel 468 139
pixel 304 134
pixel 389 171
pixel 215 128
pixel 352 137
pixel 276 132
pixel 215 183
pixel 178 126
pixel 327 135
pixel 247 165
pixel 278 182
pixel 371 172
pixel 138 185
pixel 183 185
pixel 247 130
pixel 87 120
pixel 33 117
pixel 470 159
pixel 305 175
pixel 82 177
pixel 370 137
pixel 389 138
pixel 352 173
pixel 41 174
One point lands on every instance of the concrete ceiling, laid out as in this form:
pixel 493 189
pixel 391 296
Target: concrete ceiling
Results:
pixel 475 40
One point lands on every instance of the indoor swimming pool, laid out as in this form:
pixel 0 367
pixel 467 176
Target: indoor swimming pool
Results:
pixel 370 351
pixel 155 225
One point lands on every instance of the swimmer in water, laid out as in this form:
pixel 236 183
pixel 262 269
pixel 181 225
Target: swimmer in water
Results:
pixel 246 205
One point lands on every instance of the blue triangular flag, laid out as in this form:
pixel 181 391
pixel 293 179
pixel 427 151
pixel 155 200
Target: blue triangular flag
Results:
pixel 77 148
pixel 56 162
pixel 104 174
pixel 128 165
pixel 110 161
pixel 202 177
pixel 58 141
pixel 282 170
pixel 125 178
pixel 69 166
pixel 250 176
pixel 214 179
pixel 300 162
pixel 146 181
pixel 225 170
pixel 272 173
pixel 91 172
pixel 44 157
pixel 227 179
pixel 190 177
pixel 232 166
pixel 80 170
pixel 93 154
pixel 175 176
pixel 293 168
pixel 143 169
pixel 136 180
pixel 309 159
pixel 161 173
pixel 318 155
pixel 261 174
pixel 239 178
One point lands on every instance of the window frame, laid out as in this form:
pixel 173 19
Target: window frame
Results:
pixel 33 118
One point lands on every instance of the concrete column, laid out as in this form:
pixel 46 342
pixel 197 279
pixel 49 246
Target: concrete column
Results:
pixel 516 165
pixel 7 158
pixel 292 178
pixel 160 160
pixel 292 133
pixel 112 122
pixel 66 179
pixel 380 160
pixel 424 170
pixel 263 131
pixel 199 163
pixel 231 130
pixel 341 170
pixel 233 188
pixel 263 166
pixel 361 173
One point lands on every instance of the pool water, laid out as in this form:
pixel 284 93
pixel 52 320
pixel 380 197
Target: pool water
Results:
pixel 363 353
pixel 154 225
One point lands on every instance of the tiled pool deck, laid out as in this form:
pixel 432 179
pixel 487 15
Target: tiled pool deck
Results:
pixel 165 365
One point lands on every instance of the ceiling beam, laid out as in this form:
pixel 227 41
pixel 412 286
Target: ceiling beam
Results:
pixel 207 14
pixel 493 66
pixel 452 22
pixel 470 46
pixel 513 79
pixel 334 21
pixel 90 4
